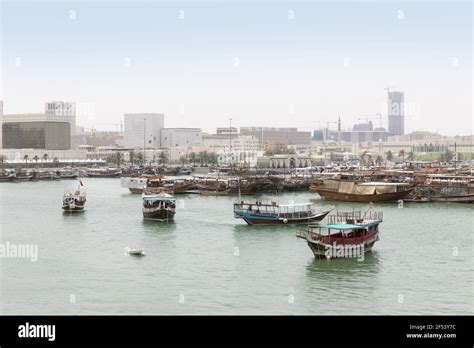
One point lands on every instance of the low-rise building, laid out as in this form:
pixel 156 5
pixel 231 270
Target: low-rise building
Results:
pixel 179 137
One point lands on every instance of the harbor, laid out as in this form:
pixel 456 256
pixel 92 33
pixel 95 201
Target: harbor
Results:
pixel 207 261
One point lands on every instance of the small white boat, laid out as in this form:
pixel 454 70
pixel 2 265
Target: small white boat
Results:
pixel 134 252
pixel 74 200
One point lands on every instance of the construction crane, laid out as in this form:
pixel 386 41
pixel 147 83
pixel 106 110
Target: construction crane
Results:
pixel 326 133
pixel 111 124
pixel 373 118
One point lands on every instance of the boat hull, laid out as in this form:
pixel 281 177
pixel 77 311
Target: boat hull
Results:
pixel 255 219
pixel 102 175
pixel 348 197
pixel 331 251
pixel 75 209
pixel 159 215
pixel 214 193
pixel 453 199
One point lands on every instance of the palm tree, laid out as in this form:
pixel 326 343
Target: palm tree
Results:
pixel 378 160
pixel 139 157
pixel 401 153
pixel 118 158
pixel 131 154
pixel 389 155
pixel 3 158
pixel 26 159
pixel 45 157
pixel 213 158
pixel 36 158
pixel 447 156
pixel 203 157
pixel 192 157
pixel 163 157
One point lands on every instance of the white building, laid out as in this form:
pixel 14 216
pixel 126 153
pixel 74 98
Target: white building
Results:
pixel 233 148
pixel 143 129
pixel 177 137
pixel 232 142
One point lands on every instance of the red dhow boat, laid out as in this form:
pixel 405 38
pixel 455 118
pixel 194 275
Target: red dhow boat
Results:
pixel 348 234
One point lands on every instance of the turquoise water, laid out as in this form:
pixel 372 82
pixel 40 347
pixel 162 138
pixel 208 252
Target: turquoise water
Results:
pixel 207 262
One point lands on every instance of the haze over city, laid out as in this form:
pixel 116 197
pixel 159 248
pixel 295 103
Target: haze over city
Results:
pixel 263 64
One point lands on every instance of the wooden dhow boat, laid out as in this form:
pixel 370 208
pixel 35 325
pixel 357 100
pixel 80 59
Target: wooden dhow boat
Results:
pixel 45 175
pixel 350 191
pixel 6 176
pixel 103 172
pixel 22 176
pixel 443 188
pixel 346 235
pixel 159 207
pixel 222 192
pixel 258 213
pixel 74 200
pixel 171 186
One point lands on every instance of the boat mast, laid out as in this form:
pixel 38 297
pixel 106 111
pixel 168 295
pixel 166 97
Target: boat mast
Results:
pixel 230 144
pixel 144 139
pixel 455 157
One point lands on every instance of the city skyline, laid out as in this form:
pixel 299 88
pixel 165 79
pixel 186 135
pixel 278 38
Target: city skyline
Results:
pixel 266 64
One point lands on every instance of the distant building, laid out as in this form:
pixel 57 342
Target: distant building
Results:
pixel 219 141
pixel 361 132
pixel 35 131
pixel 1 121
pixel 102 138
pixel 50 130
pixel 269 135
pixel 233 148
pixel 176 137
pixel 143 129
pixel 285 162
pixel 66 110
pixel 396 114
pixel 227 130
pixel 231 143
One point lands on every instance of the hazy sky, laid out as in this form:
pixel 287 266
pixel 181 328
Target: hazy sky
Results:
pixel 263 63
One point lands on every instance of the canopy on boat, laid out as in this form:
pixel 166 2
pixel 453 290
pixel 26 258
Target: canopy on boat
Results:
pixel 351 226
pixel 343 226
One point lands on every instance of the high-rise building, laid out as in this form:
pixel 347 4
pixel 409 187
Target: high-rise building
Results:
pixel 143 129
pixel 396 115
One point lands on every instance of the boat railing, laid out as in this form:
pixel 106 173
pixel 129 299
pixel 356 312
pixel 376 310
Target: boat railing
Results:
pixel 345 240
pixel 354 216
pixel 303 233
pixel 310 235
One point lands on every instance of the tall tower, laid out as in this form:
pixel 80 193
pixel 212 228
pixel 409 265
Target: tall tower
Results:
pixel 396 114
pixel 339 131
